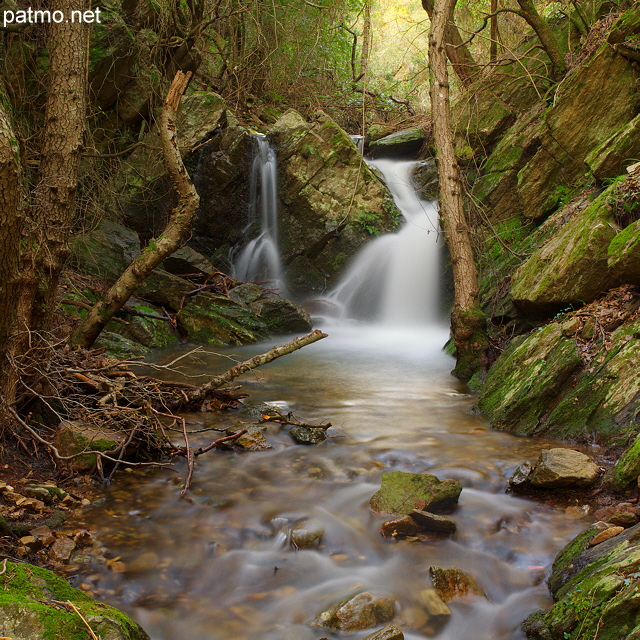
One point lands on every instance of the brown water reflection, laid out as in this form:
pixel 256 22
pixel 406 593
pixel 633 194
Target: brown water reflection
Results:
pixel 220 566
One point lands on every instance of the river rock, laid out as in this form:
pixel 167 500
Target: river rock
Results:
pixel 281 316
pixel 62 548
pixel 362 611
pixel 453 583
pixel 75 436
pixel 306 534
pixel 187 261
pixel 30 610
pixel 564 468
pixel 403 143
pixel 253 440
pixel 596 589
pixel 605 535
pixel 403 527
pixel 388 633
pixel 623 514
pixel 308 435
pixel 431 522
pixel 402 492
pixel 425 179
pixel 521 476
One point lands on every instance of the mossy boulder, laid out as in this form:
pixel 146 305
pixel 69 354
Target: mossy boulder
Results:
pixel 623 255
pixel 596 589
pixel 331 202
pixel 403 144
pixel 619 151
pixel 165 289
pixel 281 316
pixel 35 604
pixel 120 346
pixel 571 267
pixel 105 251
pixel 563 468
pixel 627 469
pixel 74 437
pixel 151 332
pixel 216 320
pixel 402 493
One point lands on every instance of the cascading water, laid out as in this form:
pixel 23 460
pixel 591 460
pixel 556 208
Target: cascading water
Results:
pixel 259 261
pixel 395 279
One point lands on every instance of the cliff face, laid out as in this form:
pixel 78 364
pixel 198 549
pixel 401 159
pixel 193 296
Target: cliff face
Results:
pixel 559 188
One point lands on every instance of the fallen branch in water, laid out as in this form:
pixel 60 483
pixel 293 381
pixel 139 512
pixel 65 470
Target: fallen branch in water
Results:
pixel 253 363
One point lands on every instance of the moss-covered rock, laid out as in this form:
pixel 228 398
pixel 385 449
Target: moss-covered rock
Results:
pixel 217 320
pixel 597 590
pixel 281 316
pixel 362 611
pixel 627 469
pixel 151 332
pixel 35 604
pixel 403 492
pixel 120 346
pixel 402 144
pixel 623 255
pixel 331 201
pixel 619 151
pixel 571 267
pixel 74 437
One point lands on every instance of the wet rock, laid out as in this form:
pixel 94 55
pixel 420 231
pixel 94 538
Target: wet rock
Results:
pixel 627 469
pixel 431 522
pixel 434 605
pixel 388 633
pixel 306 534
pixel 44 535
pixel 564 468
pixel 362 611
pixel 425 179
pixel 54 492
pixel 84 538
pixel 399 528
pixel 622 514
pixel 30 609
pixel 152 332
pixel 187 261
pixel 453 583
pixel 281 316
pixel 605 535
pixel 246 293
pixel 308 435
pixel 521 476
pixel 253 440
pixel 62 548
pixel 402 492
pixel 143 563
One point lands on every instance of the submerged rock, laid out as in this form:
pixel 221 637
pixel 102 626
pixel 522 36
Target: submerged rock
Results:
pixel 362 611
pixel 32 608
pixel 308 435
pixel 388 633
pixel 306 534
pixel 453 583
pixel 403 492
pixel 564 468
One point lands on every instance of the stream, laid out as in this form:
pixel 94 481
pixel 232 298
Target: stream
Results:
pixel 221 566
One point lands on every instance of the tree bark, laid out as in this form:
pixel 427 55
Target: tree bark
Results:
pixel 366 38
pixel 11 220
pixel 546 36
pixel 493 44
pixel 164 245
pixel 54 197
pixel 467 319
pixel 461 59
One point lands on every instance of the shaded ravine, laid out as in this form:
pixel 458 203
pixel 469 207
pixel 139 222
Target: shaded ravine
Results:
pixel 220 565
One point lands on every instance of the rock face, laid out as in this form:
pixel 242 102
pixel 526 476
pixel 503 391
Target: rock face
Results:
pixel 564 468
pixel 402 493
pixel 362 611
pixel 595 589
pixel 331 203
pixel 29 608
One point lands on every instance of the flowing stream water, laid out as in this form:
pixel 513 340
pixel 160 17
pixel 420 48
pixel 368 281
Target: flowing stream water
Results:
pixel 220 565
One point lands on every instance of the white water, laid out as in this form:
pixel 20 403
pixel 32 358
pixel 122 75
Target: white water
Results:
pixel 394 280
pixel 259 261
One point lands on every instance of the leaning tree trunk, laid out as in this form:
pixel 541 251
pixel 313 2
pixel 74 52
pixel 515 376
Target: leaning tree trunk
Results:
pixel 546 36
pixel 463 62
pixel 366 38
pixel 164 245
pixel 468 322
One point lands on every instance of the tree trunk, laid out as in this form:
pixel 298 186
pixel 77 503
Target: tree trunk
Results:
pixel 11 220
pixel 366 38
pixel 546 36
pixel 493 43
pixel 63 138
pixel 468 322
pixel 171 238
pixel 463 63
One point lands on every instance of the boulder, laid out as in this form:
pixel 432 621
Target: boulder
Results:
pixel 331 202
pixel 281 316
pixel 611 158
pixel 120 346
pixel 403 492
pixel 307 435
pixel 165 289
pixel 432 523
pixel 425 179
pixel 187 261
pixel 623 254
pixel 627 469
pixel 253 440
pixel 564 468
pixel 388 633
pixel 362 611
pixel 216 320
pixel 595 588
pixel 451 583
pixel 154 333
pixel 106 251
pixel 306 534
pixel 30 609
pixel 570 268
pixel 75 437
pixel 399 528
pixel 404 144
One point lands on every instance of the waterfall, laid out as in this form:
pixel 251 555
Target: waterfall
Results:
pixel 259 261
pixel 395 278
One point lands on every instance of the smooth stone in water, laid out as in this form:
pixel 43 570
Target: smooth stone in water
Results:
pixel 306 534
pixel 388 633
pixel 306 435
pixel 564 468
pixel 402 527
pixel 433 523
pixel 452 583
pixel 362 611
